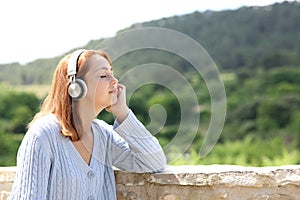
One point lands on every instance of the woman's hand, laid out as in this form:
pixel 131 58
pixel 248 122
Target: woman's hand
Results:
pixel 120 108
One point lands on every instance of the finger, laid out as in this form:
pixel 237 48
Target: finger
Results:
pixel 121 89
pixel 120 86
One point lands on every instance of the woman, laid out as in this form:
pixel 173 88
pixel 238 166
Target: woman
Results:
pixel 67 153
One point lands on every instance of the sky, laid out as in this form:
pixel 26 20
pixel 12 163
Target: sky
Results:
pixel 32 29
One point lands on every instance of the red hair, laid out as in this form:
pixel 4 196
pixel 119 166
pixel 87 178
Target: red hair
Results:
pixel 58 101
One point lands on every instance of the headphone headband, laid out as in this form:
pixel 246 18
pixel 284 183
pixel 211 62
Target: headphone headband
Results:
pixel 72 63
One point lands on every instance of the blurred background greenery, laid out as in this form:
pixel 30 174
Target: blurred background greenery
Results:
pixel 257 50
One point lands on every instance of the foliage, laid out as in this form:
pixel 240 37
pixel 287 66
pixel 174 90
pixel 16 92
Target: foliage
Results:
pixel 16 110
pixel 262 125
pixel 8 148
pixel 251 151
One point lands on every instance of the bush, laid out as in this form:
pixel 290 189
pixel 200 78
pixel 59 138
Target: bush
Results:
pixel 16 110
pixel 252 151
pixel 9 144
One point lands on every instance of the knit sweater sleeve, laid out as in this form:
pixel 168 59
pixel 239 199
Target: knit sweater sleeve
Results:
pixel 33 168
pixel 137 149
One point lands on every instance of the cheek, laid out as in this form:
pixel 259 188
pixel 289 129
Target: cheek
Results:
pixel 93 89
pixel 99 90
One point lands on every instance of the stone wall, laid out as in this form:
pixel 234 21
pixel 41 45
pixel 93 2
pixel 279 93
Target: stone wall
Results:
pixel 213 182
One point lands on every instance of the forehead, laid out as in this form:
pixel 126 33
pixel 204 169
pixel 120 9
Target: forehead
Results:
pixel 98 62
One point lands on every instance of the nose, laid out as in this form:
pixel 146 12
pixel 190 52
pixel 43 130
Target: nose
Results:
pixel 114 81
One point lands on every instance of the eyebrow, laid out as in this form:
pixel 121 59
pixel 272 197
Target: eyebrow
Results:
pixel 103 68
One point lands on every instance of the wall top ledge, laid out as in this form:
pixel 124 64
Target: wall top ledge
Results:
pixel 214 175
pixel 208 169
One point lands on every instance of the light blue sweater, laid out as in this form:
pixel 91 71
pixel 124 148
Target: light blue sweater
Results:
pixel 50 167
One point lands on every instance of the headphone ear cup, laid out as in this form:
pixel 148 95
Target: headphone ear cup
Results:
pixel 78 89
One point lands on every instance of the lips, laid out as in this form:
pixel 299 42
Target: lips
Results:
pixel 112 91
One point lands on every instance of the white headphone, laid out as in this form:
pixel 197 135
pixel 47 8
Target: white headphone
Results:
pixel 77 87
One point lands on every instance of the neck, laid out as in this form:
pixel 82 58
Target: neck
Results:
pixel 86 114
